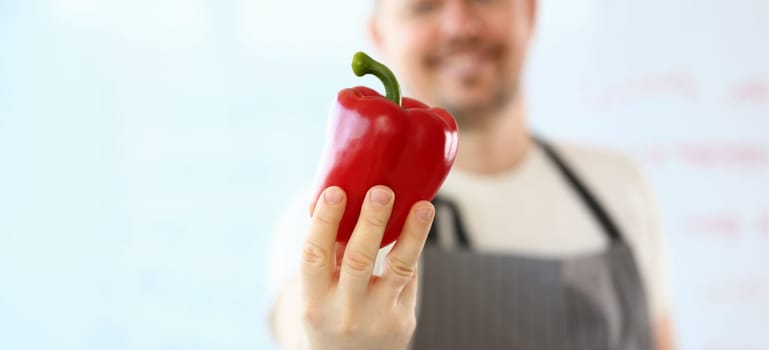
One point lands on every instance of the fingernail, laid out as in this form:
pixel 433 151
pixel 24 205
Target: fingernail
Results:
pixel 425 214
pixel 333 195
pixel 380 196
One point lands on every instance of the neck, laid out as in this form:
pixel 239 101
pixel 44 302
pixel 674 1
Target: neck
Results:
pixel 499 144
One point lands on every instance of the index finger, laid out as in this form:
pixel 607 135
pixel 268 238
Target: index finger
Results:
pixel 318 257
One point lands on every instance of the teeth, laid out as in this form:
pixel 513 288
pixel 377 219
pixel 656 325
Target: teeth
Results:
pixel 463 59
pixel 463 63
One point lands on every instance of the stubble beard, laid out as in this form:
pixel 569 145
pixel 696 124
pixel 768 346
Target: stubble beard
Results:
pixel 473 117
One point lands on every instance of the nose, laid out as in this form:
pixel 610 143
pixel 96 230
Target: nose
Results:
pixel 460 19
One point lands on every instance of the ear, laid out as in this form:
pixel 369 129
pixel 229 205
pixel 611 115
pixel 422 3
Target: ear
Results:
pixel 533 7
pixel 374 34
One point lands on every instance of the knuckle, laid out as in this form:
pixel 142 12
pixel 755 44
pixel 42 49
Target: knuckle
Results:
pixel 408 325
pixel 314 255
pixel 375 217
pixel 378 220
pixel 312 317
pixel 398 325
pixel 324 218
pixel 358 261
pixel 417 231
pixel 348 325
pixel 400 267
pixel 381 330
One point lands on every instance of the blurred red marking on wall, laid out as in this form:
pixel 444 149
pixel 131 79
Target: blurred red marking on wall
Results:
pixel 657 155
pixel 726 225
pixel 709 155
pixel 671 83
pixel 752 90
pixel 747 290
pixel 722 225
pixel 728 347
pixel 736 155
pixel 762 224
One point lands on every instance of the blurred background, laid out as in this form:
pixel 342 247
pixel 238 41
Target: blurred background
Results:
pixel 147 149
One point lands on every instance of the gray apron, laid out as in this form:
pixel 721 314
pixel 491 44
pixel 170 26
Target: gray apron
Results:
pixel 473 300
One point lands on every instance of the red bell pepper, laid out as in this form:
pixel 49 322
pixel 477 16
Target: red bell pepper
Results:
pixel 373 140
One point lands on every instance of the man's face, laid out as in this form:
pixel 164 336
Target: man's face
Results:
pixel 463 55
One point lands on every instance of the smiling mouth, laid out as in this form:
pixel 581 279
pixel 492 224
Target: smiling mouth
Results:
pixel 465 64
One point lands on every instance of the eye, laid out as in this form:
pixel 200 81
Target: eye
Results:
pixel 423 7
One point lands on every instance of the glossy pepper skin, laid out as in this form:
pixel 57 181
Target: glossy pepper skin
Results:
pixel 372 140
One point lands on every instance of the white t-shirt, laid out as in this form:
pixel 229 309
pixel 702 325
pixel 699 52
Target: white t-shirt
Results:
pixel 532 210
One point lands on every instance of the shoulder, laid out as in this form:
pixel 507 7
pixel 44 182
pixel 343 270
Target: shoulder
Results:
pixel 614 177
pixel 595 163
pixel 621 186
pixel 616 180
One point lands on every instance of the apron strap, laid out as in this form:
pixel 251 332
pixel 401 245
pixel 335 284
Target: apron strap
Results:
pixel 596 209
pixel 459 226
pixel 593 205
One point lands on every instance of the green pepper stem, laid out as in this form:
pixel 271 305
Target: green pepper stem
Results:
pixel 363 64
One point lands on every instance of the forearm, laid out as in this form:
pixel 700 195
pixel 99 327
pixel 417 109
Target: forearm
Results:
pixel 285 319
pixel 663 333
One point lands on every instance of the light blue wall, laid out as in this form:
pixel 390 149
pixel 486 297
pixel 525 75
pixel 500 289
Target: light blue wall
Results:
pixel 146 148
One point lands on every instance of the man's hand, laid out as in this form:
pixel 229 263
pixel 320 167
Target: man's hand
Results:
pixel 344 306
